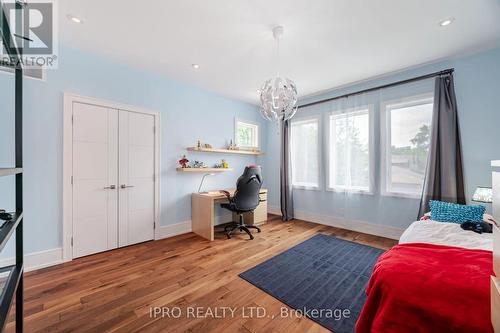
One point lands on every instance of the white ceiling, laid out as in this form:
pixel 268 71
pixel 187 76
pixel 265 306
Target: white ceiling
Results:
pixel 327 43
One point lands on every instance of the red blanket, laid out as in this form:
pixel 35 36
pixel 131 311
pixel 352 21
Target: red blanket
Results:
pixel 429 288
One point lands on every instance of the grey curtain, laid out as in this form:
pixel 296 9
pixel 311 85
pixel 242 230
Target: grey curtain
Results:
pixel 444 173
pixel 286 192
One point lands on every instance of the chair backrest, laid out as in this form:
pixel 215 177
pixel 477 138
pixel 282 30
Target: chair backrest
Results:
pixel 246 197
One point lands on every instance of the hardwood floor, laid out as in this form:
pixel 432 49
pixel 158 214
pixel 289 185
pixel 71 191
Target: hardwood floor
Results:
pixel 113 291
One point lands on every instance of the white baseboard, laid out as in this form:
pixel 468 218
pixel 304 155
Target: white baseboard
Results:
pixel 37 260
pixel 276 210
pixel 46 258
pixel 354 225
pixel 165 231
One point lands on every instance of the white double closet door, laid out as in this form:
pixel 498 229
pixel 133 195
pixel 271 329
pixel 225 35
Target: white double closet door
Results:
pixel 113 178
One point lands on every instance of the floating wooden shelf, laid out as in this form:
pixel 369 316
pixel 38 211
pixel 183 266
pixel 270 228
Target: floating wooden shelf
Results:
pixel 205 170
pixel 224 151
pixel 10 171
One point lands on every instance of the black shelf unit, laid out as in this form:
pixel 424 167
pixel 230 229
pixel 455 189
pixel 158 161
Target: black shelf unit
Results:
pixel 12 286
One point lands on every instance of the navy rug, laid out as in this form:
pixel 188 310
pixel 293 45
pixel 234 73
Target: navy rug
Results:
pixel 321 278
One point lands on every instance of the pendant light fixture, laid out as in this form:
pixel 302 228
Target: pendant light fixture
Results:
pixel 278 96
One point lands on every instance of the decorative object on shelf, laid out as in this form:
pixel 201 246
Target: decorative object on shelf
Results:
pixel 5 216
pixel 199 165
pixel 278 96
pixel 224 151
pixel 225 165
pixel 218 166
pixel 483 194
pixel 194 170
pixel 233 146
pixel 200 145
pixel 202 179
pixel 184 162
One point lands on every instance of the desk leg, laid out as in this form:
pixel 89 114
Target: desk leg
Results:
pixel 202 216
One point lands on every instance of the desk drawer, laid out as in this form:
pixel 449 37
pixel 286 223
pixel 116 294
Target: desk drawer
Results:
pixel 258 216
pixel 260 213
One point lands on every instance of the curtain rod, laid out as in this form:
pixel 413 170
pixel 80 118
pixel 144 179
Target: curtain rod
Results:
pixel 418 78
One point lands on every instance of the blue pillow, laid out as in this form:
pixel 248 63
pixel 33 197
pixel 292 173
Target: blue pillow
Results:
pixel 455 213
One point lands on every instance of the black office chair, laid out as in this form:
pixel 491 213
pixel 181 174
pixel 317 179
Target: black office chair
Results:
pixel 245 199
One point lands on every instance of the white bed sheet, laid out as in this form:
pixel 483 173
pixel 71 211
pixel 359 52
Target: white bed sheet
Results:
pixel 442 233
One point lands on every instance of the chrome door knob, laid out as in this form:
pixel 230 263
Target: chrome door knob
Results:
pixel 126 186
pixel 110 187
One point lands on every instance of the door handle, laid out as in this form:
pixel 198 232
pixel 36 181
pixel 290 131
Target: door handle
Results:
pixel 126 186
pixel 110 187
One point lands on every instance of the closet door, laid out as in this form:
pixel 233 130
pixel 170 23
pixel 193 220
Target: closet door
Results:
pixel 136 177
pixel 95 173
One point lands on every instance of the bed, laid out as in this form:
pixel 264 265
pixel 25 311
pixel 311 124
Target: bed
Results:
pixel 451 234
pixel 437 279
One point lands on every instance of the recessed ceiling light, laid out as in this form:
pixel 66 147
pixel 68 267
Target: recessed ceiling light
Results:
pixel 446 22
pixel 74 18
pixel 195 66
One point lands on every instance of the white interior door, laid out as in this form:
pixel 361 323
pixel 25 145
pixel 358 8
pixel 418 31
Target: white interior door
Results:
pixel 95 172
pixel 136 177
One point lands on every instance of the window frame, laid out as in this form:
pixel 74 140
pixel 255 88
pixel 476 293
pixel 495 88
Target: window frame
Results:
pixel 318 119
pixel 385 146
pixel 248 122
pixel 371 151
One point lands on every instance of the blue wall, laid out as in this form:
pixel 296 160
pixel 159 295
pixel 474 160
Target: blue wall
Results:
pixel 188 113
pixel 477 84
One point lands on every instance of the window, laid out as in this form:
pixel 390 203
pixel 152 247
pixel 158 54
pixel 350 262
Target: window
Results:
pixel 408 129
pixel 304 143
pixel 246 134
pixel 349 150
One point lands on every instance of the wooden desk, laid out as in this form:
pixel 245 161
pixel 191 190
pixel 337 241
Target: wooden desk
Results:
pixel 203 212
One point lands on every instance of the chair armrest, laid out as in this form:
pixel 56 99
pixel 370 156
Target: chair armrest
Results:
pixel 227 194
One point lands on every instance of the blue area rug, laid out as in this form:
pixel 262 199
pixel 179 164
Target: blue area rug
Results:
pixel 322 277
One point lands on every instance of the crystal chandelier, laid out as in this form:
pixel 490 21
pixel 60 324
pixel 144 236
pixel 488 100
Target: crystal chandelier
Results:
pixel 278 96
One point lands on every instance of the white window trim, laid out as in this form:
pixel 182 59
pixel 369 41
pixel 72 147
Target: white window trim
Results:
pixel 320 150
pixel 236 120
pixel 371 152
pixel 385 119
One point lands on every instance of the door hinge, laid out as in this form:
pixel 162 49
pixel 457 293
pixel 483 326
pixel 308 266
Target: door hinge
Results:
pixel 71 241
pixel 154 225
pixel 71 180
pixel 72 119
